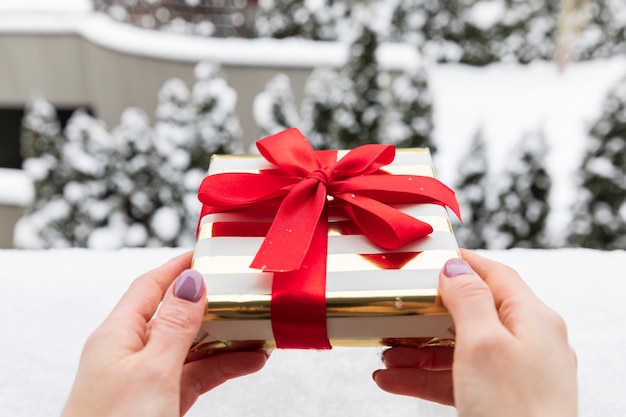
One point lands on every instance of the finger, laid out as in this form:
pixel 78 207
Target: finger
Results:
pixel 146 292
pixel 468 299
pixel 126 324
pixel 427 385
pixel 518 308
pixel 505 283
pixel 430 358
pixel 203 375
pixel 178 321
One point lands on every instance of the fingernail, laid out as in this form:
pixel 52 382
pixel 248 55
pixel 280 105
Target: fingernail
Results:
pixel 189 285
pixel 456 266
pixel 383 357
pixel 375 373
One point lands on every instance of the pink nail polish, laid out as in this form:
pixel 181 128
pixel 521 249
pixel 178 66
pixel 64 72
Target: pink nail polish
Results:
pixel 189 285
pixel 456 266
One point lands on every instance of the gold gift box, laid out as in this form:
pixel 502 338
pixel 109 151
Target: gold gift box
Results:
pixel 373 296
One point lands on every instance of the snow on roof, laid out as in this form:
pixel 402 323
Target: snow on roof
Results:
pixel 40 6
pixel 15 187
pixel 102 30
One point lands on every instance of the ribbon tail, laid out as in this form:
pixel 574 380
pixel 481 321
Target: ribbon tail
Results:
pixel 289 238
pixel 298 307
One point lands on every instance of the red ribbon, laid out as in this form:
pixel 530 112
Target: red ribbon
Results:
pixel 295 247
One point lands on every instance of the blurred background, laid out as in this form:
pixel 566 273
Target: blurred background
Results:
pixel 111 109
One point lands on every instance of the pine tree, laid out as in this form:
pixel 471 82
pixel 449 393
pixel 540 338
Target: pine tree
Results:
pixel 522 201
pixel 603 34
pixel 79 199
pixel 322 95
pixel 409 117
pixel 285 18
pixel 137 186
pixel 359 115
pixel 175 138
pixel 474 32
pixel 137 178
pixel 217 127
pixel 473 192
pixel 88 188
pixel 407 21
pixel 41 142
pixel 191 126
pixel 274 108
pixel 217 130
pixel 600 213
pixel 326 20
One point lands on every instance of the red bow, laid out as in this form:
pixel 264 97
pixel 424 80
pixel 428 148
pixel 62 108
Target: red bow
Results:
pixel 295 247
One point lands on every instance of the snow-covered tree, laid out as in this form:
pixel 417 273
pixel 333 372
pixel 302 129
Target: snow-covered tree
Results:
pixel 326 20
pixel 274 109
pixel 322 95
pixel 359 117
pixel 138 185
pixel 475 32
pixel 88 189
pixel 473 194
pixel 407 21
pixel 191 126
pixel 217 130
pixel 217 126
pixel 357 104
pixel 174 140
pixel 42 140
pixel 285 18
pixel 602 31
pixel 600 213
pixel 409 118
pixel 522 202
pixel 137 178
pixel 83 199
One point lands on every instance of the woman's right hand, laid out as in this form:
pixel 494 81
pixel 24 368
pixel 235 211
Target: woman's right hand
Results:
pixel 511 357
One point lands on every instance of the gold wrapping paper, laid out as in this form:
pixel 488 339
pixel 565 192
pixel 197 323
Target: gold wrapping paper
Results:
pixel 372 297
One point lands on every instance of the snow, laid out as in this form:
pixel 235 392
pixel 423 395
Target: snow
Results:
pixel 104 31
pixel 15 187
pixel 52 300
pixel 487 13
pixel 505 101
pixel 166 223
pixel 45 6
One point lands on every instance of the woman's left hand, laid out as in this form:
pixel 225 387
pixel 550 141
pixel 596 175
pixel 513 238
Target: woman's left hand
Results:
pixel 136 363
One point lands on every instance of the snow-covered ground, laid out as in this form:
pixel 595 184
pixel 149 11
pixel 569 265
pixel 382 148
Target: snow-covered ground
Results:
pixel 51 300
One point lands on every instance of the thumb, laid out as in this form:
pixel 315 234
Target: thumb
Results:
pixel 468 299
pixel 178 319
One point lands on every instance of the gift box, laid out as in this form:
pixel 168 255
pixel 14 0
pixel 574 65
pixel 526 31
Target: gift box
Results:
pixel 314 249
